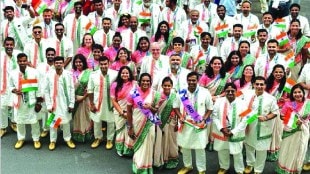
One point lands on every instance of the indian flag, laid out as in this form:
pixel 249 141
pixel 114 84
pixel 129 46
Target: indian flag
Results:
pixel 282 39
pixel 251 30
pixel 280 23
pixel 289 58
pixel 39 6
pixel 53 121
pixel 197 31
pixel 221 30
pixel 288 85
pixel 251 118
pixel 194 125
pixel 29 85
pixel 245 113
pixel 290 119
pixel 91 28
pixel 144 17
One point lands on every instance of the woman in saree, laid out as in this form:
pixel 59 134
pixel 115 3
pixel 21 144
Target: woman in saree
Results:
pixel 141 121
pixel 87 44
pixel 214 79
pixel 274 86
pixel 247 58
pixel 123 59
pixel 163 36
pixel 166 147
pixel 295 115
pixel 142 50
pixel 246 81
pixel 119 92
pixel 123 23
pixel 111 51
pixel 82 125
pixel 298 46
pixel 233 65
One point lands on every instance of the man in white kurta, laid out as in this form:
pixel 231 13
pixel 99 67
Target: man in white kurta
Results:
pixel 115 12
pixel 304 79
pixel 8 64
pixel 259 47
pixel 267 23
pixel 229 129
pixel 207 11
pixel 98 14
pixel 98 90
pixel 258 136
pixel 60 98
pixel 24 101
pixel 105 35
pixel 265 63
pixel 189 138
pixel 48 25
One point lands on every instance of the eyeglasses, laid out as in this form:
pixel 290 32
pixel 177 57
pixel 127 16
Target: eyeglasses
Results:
pixel 230 91
pixel 259 84
pixel 37 32
pixel 155 49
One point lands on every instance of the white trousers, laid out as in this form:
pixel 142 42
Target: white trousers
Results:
pixel 200 158
pixel 35 131
pixel 98 130
pixel 224 160
pixel 257 162
pixel 4 112
pixel 44 118
pixel 66 133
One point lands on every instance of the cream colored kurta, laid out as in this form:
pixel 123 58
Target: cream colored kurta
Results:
pixel 232 120
pixel 259 133
pixel 188 138
pixel 93 86
pixel 65 97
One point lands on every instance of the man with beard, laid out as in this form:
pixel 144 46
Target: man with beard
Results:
pixel 232 43
pixel 59 98
pixel 191 30
pixel 207 11
pixel 248 20
pixel 259 48
pixel 175 72
pixel 62 44
pixel 34 49
pixel 174 15
pixel 48 25
pixel 193 112
pixel 13 27
pixel 149 15
pixel 221 26
pixel 24 83
pixel 98 14
pixel 267 24
pixel 43 69
pixel 75 25
pixel 294 14
pixel 229 129
pixel 8 64
pixel 132 35
pixel 98 90
pixel 265 63
pixel 258 137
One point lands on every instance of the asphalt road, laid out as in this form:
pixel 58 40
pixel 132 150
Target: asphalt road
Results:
pixel 83 159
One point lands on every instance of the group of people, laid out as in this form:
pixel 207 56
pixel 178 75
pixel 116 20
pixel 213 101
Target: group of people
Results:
pixel 165 80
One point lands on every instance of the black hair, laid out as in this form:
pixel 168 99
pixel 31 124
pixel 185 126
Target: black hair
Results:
pixel 299 34
pixel 97 46
pixel 126 51
pixel 230 85
pixel 228 63
pixel 50 49
pixel 298 85
pixel 140 40
pixel 83 60
pixel 119 80
pixel 88 34
pixel 167 79
pixel 242 79
pixel 20 55
pixel 270 79
pixel 178 40
pixel 158 33
pixel 145 74
pixel 209 69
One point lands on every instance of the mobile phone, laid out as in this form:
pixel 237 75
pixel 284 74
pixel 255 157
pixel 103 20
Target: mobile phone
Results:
pixel 25 6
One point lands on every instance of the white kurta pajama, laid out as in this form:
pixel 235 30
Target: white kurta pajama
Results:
pixel 103 105
pixel 188 138
pixel 24 105
pixel 226 114
pixel 258 137
pixel 60 101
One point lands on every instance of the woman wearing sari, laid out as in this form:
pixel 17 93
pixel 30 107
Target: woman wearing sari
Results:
pixel 274 86
pixel 163 36
pixel 111 52
pixel 87 44
pixel 233 65
pixel 123 23
pixel 142 50
pixel 82 125
pixel 166 147
pixel 123 59
pixel 247 58
pixel 119 92
pixel 297 44
pixel 246 81
pixel 141 121
pixel 295 116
